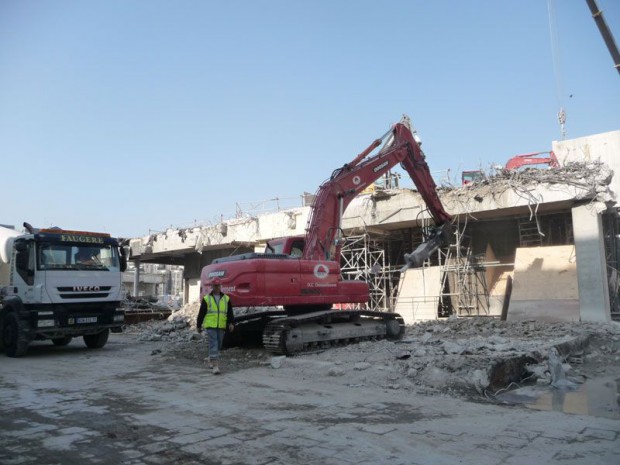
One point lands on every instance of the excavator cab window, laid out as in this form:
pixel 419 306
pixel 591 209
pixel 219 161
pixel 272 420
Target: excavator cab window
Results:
pixel 297 248
pixel 470 177
pixel 271 249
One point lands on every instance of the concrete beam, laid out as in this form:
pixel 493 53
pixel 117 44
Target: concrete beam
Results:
pixel 388 210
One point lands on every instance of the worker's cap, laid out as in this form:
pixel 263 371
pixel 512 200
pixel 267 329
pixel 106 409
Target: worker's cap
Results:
pixel 215 281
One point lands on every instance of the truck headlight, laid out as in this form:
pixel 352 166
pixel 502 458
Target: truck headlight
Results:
pixel 119 318
pixel 45 323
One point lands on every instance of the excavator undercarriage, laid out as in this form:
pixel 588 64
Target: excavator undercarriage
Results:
pixel 287 335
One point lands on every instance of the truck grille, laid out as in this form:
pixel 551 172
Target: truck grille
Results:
pixel 77 292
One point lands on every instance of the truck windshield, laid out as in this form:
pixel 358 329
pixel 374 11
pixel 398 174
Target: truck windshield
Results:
pixel 75 256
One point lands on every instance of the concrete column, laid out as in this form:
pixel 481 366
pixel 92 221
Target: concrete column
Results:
pixel 591 264
pixel 136 278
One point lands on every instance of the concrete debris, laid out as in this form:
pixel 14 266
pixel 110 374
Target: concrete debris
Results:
pixel 589 175
pixel 403 355
pixel 558 370
pixel 336 371
pixel 276 362
pixel 456 355
pixel 587 180
pixel 452 348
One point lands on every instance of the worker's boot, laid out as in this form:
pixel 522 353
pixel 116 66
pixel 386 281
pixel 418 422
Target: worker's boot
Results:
pixel 216 367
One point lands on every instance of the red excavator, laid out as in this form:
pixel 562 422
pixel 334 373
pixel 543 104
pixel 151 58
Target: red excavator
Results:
pixel 527 159
pixel 301 274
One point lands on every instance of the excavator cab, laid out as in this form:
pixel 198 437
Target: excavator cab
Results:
pixel 470 177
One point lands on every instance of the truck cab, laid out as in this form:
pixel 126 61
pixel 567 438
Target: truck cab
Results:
pixel 59 284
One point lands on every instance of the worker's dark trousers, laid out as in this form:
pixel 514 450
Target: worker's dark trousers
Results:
pixel 215 337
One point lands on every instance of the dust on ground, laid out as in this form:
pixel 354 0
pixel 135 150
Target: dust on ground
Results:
pixel 475 358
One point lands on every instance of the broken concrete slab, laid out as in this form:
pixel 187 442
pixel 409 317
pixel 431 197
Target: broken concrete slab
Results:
pixel 418 294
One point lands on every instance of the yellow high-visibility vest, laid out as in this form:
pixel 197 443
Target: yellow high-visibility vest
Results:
pixel 216 313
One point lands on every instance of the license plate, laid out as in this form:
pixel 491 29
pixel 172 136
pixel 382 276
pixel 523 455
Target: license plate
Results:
pixel 90 319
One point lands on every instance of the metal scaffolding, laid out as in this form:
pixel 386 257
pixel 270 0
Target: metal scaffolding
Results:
pixel 363 258
pixel 464 287
pixel 464 290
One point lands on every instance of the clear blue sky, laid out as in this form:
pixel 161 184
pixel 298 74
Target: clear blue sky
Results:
pixel 132 116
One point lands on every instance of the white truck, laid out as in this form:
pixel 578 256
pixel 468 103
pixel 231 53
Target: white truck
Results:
pixel 57 284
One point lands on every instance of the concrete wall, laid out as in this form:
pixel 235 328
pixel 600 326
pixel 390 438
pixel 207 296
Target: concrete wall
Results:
pixel 545 284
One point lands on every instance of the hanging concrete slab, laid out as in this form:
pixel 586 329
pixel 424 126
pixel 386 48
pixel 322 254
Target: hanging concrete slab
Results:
pixel 418 294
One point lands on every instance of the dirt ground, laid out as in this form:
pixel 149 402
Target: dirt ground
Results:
pixel 147 398
pixel 475 358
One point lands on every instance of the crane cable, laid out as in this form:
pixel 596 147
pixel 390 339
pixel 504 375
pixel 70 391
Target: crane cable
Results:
pixel 557 66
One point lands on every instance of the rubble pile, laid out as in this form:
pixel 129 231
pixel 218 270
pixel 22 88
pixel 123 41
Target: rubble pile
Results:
pixel 588 180
pixel 582 174
pixel 466 356
pixel 475 355
pixel 178 327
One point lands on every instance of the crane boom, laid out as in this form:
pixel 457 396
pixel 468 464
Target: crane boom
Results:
pixel 597 14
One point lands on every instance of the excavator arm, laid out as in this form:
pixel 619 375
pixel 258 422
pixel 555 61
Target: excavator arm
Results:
pixel 528 159
pixel 334 195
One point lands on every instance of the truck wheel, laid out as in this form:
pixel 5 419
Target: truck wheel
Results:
pixel 96 341
pixel 62 341
pixel 14 336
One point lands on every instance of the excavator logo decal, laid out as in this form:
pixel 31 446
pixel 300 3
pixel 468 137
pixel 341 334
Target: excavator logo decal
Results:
pixel 380 166
pixel 321 271
pixel 217 274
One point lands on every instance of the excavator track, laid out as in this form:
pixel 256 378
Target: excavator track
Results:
pixel 312 331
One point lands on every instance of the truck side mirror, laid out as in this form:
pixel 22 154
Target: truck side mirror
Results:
pixel 123 258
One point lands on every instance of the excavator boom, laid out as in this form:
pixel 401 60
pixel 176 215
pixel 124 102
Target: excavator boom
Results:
pixel 347 182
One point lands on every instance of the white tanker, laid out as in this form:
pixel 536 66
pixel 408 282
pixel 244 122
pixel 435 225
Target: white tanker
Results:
pixel 57 284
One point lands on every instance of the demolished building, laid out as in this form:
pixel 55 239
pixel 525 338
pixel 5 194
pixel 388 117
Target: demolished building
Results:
pixel 532 243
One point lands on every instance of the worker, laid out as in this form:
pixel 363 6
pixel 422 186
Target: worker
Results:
pixel 216 316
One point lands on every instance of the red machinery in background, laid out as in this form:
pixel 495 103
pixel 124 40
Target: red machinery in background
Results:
pixel 516 162
pixel 528 159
